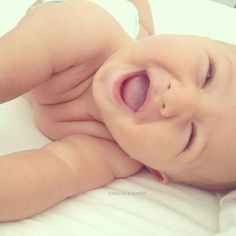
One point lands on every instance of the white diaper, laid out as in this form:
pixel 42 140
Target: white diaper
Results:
pixel 123 11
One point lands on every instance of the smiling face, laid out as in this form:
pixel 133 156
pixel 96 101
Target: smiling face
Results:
pixel 184 120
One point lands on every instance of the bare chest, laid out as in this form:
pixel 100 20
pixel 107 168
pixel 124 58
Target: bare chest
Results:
pixel 62 105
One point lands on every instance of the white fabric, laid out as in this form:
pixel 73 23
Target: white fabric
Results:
pixel 124 12
pixel 228 213
pixel 137 205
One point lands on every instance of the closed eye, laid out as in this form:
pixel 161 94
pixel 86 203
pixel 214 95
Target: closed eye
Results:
pixel 192 137
pixel 210 74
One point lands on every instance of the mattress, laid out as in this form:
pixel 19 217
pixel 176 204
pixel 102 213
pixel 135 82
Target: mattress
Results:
pixel 137 205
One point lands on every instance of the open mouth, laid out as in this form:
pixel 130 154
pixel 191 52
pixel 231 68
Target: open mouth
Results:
pixel 134 90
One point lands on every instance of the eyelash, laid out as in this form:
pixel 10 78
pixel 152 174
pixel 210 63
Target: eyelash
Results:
pixel 191 137
pixel 209 75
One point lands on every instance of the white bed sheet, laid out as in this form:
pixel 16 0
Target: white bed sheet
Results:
pixel 134 206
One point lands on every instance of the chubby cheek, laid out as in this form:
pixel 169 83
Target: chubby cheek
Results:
pixel 150 146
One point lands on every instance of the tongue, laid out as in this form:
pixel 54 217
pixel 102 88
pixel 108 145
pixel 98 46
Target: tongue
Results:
pixel 134 91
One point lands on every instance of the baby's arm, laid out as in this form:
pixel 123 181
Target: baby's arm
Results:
pixel 32 181
pixel 50 39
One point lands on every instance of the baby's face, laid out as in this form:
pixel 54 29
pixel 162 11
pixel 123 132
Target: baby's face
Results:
pixel 177 109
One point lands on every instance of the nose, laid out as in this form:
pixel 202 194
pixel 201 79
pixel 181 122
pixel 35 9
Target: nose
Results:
pixel 179 100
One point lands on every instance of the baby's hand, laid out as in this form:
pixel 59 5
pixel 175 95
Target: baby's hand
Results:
pixel 50 39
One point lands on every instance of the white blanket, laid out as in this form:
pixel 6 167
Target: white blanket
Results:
pixel 134 206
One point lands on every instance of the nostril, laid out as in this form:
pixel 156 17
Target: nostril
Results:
pixel 162 107
pixel 169 86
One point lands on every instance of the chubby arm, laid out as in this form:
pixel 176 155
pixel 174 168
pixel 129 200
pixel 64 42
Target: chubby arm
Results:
pixel 50 39
pixel 34 180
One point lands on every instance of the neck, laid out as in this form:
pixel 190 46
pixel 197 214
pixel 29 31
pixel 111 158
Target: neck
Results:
pixel 93 111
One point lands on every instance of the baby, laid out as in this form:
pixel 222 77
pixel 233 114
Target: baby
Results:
pixel 112 105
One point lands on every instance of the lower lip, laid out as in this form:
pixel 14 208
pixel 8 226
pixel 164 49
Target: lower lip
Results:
pixel 117 87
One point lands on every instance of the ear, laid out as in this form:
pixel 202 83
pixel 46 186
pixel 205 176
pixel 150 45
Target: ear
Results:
pixel 159 175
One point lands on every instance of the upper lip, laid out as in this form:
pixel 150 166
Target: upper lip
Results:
pixel 120 82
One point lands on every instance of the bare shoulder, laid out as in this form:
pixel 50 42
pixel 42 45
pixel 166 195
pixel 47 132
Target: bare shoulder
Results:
pixel 81 19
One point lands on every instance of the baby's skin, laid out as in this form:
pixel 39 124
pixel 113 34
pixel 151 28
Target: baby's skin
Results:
pixel 112 105
pixel 51 57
